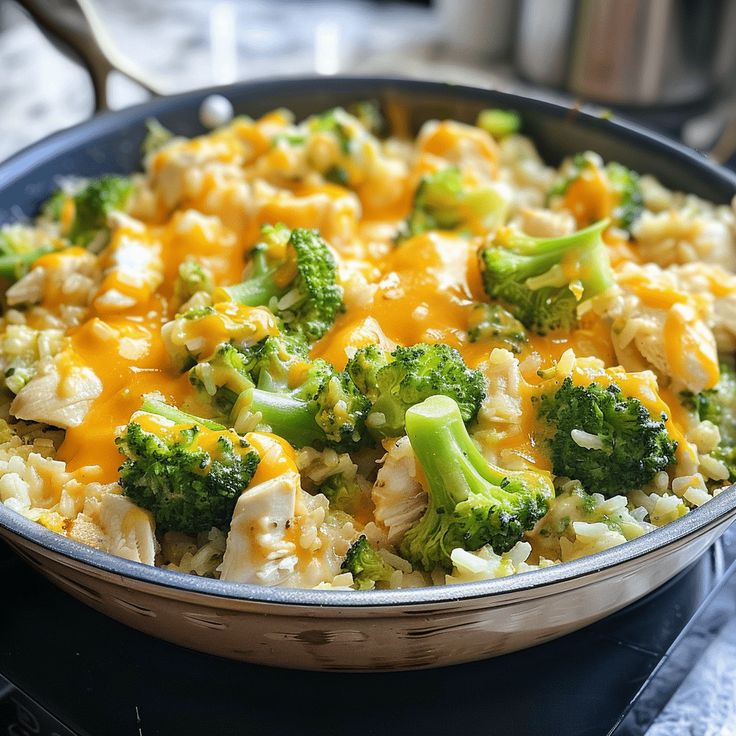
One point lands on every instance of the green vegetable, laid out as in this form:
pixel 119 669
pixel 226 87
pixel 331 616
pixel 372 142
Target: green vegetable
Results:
pixel 344 493
pixel 623 182
pixel 443 202
pixel 192 277
pixel 499 123
pixel 223 378
pixel 156 137
pixel 541 281
pixel 18 252
pixel 718 405
pixel 325 409
pixel 294 274
pixel 368 113
pixel 52 207
pixel 496 325
pixel 94 203
pixel 304 401
pixel 408 376
pixel 604 439
pixel 333 121
pixel 162 409
pixel 366 565
pixel 363 369
pixel 471 502
pixel 190 474
pixel 337 175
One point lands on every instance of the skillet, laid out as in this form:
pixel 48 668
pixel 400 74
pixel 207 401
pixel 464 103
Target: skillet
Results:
pixel 369 630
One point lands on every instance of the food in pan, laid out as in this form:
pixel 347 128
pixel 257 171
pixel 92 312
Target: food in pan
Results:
pixel 307 354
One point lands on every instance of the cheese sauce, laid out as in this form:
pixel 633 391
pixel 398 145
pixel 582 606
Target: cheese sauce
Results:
pixel 210 196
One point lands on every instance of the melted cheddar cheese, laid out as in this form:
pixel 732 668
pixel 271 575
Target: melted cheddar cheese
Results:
pixel 129 332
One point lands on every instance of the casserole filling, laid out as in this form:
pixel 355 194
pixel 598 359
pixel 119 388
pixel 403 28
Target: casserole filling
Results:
pixel 309 354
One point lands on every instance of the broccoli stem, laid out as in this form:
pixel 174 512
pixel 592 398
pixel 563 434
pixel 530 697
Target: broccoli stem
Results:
pixel 450 460
pixel 595 272
pixel 153 406
pixel 254 292
pixel 499 123
pixel 288 417
pixel 470 502
pixel 260 287
pixel 13 266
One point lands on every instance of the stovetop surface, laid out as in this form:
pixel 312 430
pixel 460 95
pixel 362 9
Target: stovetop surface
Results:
pixel 99 677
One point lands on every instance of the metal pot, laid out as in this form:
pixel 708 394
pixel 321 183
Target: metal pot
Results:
pixel 628 52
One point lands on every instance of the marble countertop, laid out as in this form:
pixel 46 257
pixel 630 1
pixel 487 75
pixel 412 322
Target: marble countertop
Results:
pixel 194 43
pixel 185 44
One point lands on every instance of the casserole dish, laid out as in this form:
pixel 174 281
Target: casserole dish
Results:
pixel 372 630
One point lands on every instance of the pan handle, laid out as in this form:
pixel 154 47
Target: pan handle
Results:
pixel 76 29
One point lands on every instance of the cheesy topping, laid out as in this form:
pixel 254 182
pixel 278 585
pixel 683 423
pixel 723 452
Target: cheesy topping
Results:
pixel 121 326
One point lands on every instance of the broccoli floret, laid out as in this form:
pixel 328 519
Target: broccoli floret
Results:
pixel 18 251
pixel 368 114
pixel 281 362
pixel 718 405
pixel 156 137
pixel 294 274
pixel 333 121
pixel 344 493
pixel 51 208
pixel 338 175
pixel 443 202
pixel 628 200
pixel 305 401
pixel 366 565
pixel 541 281
pixel 325 408
pixel 496 325
pixel 471 502
pixel 604 439
pixel 499 123
pixel 93 204
pixel 625 183
pixel 224 377
pixel 409 375
pixel 187 471
pixel 196 333
pixel 363 369
pixel 192 277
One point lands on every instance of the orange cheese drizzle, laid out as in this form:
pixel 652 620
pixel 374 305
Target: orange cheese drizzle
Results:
pixel 426 291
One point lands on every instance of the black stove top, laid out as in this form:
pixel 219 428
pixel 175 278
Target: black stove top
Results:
pixel 69 670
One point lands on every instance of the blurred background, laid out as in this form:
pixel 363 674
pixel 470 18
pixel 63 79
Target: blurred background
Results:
pixel 669 63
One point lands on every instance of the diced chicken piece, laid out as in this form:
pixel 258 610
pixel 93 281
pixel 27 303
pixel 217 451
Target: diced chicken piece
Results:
pixel 524 171
pixel 67 277
pixel 678 236
pixel 724 323
pixel 260 546
pixel 133 268
pixel 655 324
pixel 714 281
pixel 280 535
pixel 502 406
pixel 28 289
pixel 24 481
pixel 61 393
pixel 541 223
pixel 116 525
pixel 461 145
pixel 332 210
pixel 397 495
